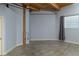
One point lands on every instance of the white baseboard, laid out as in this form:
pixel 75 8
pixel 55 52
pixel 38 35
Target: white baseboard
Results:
pixel 49 40
pixel 55 40
pixel 19 44
pixel 6 52
pixel 41 39
pixel 72 42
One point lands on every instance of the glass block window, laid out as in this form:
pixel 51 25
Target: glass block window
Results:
pixel 71 21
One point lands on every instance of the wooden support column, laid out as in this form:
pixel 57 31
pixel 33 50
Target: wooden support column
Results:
pixel 24 26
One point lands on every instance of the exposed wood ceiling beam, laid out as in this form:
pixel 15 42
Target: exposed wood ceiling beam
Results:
pixel 40 6
pixel 31 7
pixel 54 5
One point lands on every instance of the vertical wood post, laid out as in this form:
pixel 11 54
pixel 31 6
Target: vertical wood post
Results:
pixel 24 26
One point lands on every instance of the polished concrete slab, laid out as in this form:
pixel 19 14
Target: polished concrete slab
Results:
pixel 47 48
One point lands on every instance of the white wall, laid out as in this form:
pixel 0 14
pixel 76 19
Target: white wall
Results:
pixel 72 35
pixel 11 18
pixel 43 26
pixel 19 13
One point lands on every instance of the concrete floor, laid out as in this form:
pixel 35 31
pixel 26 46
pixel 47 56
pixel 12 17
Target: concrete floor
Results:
pixel 47 48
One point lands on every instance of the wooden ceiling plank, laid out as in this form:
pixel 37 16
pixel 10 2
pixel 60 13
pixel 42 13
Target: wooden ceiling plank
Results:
pixel 47 6
pixel 28 6
pixel 55 6
pixel 31 7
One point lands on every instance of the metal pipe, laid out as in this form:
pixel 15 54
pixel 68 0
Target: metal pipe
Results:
pixel 16 6
pixel 10 4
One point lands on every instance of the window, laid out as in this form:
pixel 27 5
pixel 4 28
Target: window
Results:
pixel 71 21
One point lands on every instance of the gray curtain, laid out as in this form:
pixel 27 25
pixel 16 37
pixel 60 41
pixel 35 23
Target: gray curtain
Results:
pixel 61 29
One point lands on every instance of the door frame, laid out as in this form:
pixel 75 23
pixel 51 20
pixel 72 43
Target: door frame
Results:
pixel 3 36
